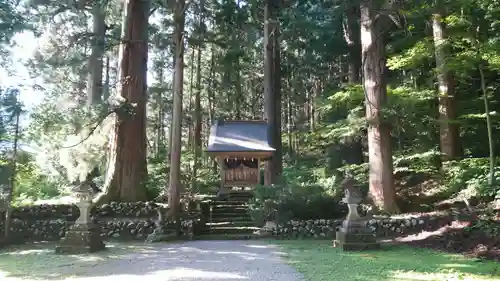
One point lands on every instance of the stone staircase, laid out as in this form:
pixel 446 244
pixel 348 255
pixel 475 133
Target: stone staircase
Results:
pixel 229 218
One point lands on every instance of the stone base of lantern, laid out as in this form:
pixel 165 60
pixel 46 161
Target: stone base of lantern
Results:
pixel 354 235
pixel 81 239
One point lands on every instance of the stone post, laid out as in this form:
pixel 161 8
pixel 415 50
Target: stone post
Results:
pixel 84 236
pixel 354 234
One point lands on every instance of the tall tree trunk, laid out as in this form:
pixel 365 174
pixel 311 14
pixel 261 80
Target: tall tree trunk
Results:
pixel 13 164
pixel 353 145
pixel 489 126
pixel 197 102
pixel 174 61
pixel 449 134
pixel 352 38
pixel 127 169
pixel 211 82
pixel 190 99
pixel 379 139
pixel 197 121
pixel 94 82
pixel 176 146
pixel 238 89
pixel 160 127
pixel 272 90
pixel 107 87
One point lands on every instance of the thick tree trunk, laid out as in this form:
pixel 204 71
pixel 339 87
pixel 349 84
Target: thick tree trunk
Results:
pixel 127 169
pixel 448 131
pixel 176 146
pixel 379 139
pixel 272 90
pixel 94 82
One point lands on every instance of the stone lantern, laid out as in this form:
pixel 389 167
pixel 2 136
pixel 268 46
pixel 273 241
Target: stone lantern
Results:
pixel 354 234
pixel 84 236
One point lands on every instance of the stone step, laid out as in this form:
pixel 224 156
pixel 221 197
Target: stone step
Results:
pixel 230 219
pixel 247 223
pixel 226 237
pixel 229 230
pixel 231 203
pixel 235 197
pixel 242 193
pixel 229 209
pixel 228 215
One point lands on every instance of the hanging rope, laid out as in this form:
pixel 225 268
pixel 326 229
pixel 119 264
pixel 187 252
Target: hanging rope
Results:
pixel 232 163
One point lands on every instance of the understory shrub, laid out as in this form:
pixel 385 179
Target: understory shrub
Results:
pixel 286 202
pixel 469 178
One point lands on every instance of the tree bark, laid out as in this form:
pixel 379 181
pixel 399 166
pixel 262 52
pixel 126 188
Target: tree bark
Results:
pixel 176 146
pixel 352 38
pixel 189 117
pixel 489 126
pixel 107 86
pixel 160 127
pixel 272 91
pixel 94 82
pixel 13 164
pixel 381 182
pixel 127 169
pixel 449 134
pixel 197 103
pixel 353 146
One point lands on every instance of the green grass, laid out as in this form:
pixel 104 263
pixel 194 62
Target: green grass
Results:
pixel 318 261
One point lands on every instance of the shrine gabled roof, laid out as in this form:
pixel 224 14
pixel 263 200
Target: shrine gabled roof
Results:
pixel 239 136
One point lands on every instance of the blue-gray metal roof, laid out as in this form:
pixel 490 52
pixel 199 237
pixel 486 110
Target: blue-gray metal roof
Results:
pixel 239 136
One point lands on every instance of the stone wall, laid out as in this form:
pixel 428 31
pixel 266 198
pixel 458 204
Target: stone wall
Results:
pixel 122 221
pixel 382 226
pixel 135 221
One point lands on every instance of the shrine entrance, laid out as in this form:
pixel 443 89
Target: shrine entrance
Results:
pixel 239 147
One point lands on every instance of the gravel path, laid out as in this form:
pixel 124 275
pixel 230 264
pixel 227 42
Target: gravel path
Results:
pixel 189 261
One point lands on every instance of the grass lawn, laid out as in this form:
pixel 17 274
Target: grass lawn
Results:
pixel 318 261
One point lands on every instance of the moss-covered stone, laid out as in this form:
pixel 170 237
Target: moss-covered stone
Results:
pixel 81 239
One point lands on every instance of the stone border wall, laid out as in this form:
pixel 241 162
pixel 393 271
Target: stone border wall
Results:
pixel 135 221
pixel 124 229
pixel 70 212
pixel 120 221
pixel 386 227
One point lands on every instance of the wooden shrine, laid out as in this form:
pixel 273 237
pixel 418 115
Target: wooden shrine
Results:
pixel 239 147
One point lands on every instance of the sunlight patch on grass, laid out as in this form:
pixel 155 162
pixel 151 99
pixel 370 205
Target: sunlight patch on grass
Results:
pixel 318 261
pixel 438 276
pixel 39 260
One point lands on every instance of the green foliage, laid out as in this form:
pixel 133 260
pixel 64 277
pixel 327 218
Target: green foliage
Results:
pixel 486 225
pixel 32 184
pixel 469 177
pixel 286 202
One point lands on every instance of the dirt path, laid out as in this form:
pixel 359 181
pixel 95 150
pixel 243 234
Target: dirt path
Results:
pixel 190 261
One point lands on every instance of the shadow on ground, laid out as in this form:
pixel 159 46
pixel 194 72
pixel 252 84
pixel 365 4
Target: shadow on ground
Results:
pixel 320 262
pixel 459 238
pixel 197 260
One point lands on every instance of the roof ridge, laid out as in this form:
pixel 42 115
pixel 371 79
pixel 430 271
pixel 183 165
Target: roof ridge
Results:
pixel 260 121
